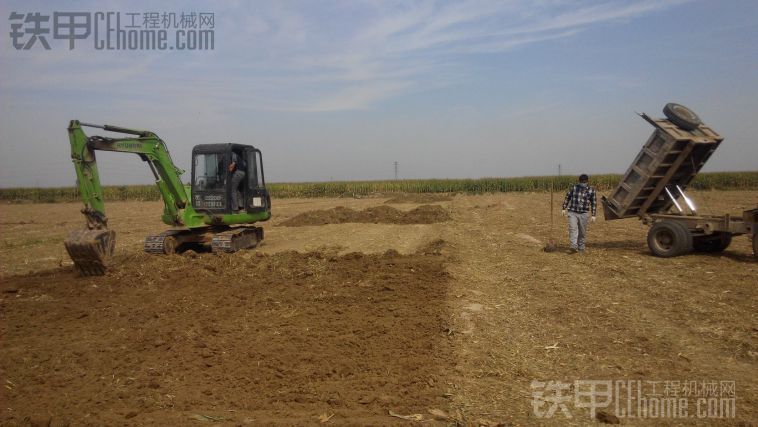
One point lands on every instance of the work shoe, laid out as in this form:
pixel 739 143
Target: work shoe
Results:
pixel 571 251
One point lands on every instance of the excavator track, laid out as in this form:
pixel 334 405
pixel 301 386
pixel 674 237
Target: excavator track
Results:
pixel 164 243
pixel 235 239
pixel 90 250
pixel 224 240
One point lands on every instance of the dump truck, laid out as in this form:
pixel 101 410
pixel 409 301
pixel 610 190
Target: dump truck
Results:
pixel 201 213
pixel 653 189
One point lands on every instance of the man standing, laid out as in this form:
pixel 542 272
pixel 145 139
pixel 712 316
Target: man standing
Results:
pixel 580 200
pixel 237 169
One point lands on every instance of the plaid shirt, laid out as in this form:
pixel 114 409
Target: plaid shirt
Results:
pixel 580 199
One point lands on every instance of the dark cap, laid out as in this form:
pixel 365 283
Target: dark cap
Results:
pixel 584 178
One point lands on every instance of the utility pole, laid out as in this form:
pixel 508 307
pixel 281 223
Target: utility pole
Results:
pixel 396 165
pixel 559 169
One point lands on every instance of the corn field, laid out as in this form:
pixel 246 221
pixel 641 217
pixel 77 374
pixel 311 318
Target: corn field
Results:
pixel 704 181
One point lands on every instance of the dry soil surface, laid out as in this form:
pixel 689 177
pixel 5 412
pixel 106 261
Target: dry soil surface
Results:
pixel 450 322
pixel 424 214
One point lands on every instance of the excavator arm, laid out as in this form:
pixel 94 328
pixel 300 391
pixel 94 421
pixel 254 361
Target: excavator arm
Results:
pixel 150 149
pixel 91 247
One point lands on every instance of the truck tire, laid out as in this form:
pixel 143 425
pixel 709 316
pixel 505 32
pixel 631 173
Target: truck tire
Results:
pixel 669 239
pixel 715 243
pixel 682 116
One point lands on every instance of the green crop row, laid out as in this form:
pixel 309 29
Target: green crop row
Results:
pixel 704 181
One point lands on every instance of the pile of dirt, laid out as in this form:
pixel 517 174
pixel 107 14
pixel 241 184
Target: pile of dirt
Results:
pixel 244 338
pixel 424 214
pixel 419 198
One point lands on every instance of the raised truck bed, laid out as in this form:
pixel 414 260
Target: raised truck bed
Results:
pixel 653 189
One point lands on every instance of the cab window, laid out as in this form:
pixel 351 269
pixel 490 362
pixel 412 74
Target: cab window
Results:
pixel 209 172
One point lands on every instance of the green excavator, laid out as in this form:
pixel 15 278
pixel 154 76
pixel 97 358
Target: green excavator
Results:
pixel 201 213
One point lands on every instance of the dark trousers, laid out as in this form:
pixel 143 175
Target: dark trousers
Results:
pixel 237 178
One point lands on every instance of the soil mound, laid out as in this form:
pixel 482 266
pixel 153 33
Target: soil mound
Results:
pixel 419 198
pixel 425 214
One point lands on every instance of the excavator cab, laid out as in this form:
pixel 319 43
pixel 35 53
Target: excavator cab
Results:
pixel 214 186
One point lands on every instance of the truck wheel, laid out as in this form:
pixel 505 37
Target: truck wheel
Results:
pixel 715 243
pixel 669 239
pixel 681 116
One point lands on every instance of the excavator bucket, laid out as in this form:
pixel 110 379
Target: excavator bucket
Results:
pixel 90 250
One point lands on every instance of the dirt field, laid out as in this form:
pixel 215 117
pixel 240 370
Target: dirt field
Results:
pixel 342 323
pixel 424 214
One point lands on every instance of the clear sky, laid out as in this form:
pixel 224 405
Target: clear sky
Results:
pixel 338 90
